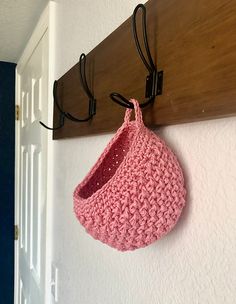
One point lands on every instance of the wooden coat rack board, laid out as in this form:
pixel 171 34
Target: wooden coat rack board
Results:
pixel 193 42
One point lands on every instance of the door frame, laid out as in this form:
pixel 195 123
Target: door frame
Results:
pixel 45 23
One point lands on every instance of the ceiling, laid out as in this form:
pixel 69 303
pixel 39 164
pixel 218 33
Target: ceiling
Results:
pixel 17 21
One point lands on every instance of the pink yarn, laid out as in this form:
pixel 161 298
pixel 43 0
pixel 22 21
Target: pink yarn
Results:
pixel 135 193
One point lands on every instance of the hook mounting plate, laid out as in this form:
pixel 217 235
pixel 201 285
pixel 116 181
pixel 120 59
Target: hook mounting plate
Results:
pixel 154 83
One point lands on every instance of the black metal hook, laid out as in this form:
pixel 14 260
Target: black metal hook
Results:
pixel 83 81
pixel 62 113
pixel 92 100
pixel 154 80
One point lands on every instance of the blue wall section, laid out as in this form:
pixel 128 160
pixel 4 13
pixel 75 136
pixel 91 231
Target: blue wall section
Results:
pixel 7 155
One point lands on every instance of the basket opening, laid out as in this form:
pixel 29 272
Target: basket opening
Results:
pixel 110 163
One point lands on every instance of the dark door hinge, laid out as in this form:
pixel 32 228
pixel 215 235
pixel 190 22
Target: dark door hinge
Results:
pixel 17 112
pixel 16 232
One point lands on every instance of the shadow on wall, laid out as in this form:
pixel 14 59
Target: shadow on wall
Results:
pixel 184 217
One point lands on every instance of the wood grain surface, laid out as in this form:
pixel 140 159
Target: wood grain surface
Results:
pixel 193 42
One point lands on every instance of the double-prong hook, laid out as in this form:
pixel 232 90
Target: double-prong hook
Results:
pixel 154 79
pixel 92 100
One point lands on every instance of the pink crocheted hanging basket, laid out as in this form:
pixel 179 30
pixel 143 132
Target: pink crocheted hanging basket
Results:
pixel 135 193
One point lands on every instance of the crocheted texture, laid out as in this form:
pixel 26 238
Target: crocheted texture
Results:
pixel 135 192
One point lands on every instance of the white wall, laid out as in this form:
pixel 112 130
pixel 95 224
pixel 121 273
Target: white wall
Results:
pixel 196 262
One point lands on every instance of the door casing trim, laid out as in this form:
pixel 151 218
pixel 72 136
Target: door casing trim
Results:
pixel 45 23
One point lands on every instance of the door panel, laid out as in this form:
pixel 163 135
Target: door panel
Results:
pixel 35 210
pixel 24 198
pixel 23 299
pixel 37 106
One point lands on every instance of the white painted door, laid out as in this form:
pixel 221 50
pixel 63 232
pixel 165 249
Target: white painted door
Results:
pixel 32 87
